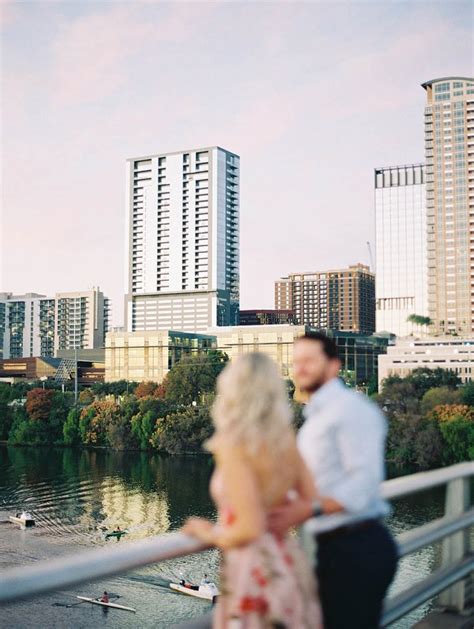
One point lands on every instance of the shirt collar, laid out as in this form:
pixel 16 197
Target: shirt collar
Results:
pixel 327 392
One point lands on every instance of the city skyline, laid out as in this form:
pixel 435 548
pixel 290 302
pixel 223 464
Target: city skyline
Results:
pixel 272 83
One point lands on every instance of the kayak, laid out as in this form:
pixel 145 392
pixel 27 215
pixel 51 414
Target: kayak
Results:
pixel 206 592
pixel 116 534
pixel 95 601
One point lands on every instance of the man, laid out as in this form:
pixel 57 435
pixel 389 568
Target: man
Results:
pixel 105 598
pixel 342 442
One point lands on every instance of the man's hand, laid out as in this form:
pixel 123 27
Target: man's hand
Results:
pixel 292 513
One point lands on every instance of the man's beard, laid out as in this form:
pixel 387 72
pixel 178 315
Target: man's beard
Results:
pixel 314 386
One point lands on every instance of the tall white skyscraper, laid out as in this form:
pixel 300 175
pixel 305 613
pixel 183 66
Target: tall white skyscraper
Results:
pixel 401 249
pixel 182 231
pixel 449 151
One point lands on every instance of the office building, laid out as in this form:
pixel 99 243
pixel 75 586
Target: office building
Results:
pixel 340 299
pixel 182 240
pixel 32 369
pixel 266 317
pixel 81 319
pixel 451 353
pixel 400 248
pixel 148 355
pixel 449 152
pixel 26 325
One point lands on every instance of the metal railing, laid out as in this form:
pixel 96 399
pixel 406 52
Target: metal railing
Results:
pixel 452 579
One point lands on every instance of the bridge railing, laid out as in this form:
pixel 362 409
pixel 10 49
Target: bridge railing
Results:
pixel 452 580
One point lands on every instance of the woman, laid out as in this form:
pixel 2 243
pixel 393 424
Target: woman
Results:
pixel 265 581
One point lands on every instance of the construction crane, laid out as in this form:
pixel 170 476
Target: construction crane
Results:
pixel 370 256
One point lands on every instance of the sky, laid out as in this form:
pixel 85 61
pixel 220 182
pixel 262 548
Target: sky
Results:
pixel 312 96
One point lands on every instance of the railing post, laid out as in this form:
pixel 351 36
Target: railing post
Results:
pixel 456 546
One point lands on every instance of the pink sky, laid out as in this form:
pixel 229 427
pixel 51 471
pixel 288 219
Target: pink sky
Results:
pixel 312 96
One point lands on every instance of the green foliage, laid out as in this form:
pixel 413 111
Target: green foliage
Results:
pixel 183 431
pixel 193 376
pixel 71 434
pixel 413 442
pixel 419 320
pixel 458 437
pixel 121 387
pixel 467 394
pixel 439 395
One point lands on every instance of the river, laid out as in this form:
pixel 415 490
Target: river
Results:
pixel 73 492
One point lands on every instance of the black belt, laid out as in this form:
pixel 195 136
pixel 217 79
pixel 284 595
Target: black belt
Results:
pixel 348 528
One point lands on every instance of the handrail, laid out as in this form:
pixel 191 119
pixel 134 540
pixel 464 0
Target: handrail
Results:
pixel 411 541
pixel 401 604
pixel 90 565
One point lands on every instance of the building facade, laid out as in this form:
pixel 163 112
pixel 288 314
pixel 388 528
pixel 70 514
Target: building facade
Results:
pixel 26 325
pixel 449 152
pixel 340 299
pixel 266 317
pixel 81 319
pixel 451 353
pixel 400 248
pixel 149 355
pixel 182 233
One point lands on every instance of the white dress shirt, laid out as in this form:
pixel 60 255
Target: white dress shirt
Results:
pixel 343 444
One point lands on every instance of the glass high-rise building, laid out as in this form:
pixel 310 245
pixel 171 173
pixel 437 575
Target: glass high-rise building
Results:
pixel 449 151
pixel 183 240
pixel 400 248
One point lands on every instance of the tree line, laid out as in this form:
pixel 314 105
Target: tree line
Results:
pixel 430 414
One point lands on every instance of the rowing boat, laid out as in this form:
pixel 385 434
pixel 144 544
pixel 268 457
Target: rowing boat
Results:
pixel 96 601
pixel 24 519
pixel 117 534
pixel 207 591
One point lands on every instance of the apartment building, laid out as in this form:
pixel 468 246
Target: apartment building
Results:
pixel 338 299
pixel 182 231
pixel 449 153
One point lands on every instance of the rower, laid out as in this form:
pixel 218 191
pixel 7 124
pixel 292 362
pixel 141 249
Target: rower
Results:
pixel 105 598
pixel 205 580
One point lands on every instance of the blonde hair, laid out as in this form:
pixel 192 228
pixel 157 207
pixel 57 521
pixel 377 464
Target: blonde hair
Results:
pixel 251 408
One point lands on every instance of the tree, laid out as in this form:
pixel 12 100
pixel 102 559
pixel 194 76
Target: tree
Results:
pixel 413 443
pixel 424 379
pixel 39 403
pixel 453 412
pixel 419 320
pixel 439 395
pixel 145 389
pixel 467 394
pixel 458 436
pixel 121 387
pixel 144 421
pixel 194 375
pixel 86 397
pixel 71 434
pixel 183 432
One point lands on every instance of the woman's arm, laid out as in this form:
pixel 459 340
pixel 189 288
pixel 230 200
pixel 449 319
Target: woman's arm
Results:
pixel 243 494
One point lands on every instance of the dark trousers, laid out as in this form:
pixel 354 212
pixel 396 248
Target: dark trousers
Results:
pixel 354 568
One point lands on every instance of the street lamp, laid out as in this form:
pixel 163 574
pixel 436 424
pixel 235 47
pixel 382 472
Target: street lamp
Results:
pixel 43 379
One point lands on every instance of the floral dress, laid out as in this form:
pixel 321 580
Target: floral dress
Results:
pixel 267 583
